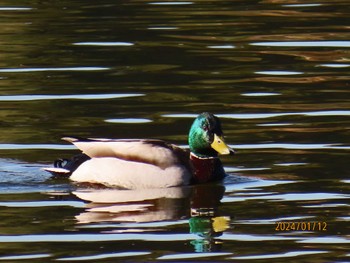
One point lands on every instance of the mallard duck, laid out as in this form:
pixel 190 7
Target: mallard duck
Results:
pixel 149 163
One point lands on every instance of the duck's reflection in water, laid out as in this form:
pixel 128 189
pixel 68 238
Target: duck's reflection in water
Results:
pixel 142 205
pixel 206 221
pixel 197 203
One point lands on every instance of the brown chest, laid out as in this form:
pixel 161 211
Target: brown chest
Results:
pixel 206 169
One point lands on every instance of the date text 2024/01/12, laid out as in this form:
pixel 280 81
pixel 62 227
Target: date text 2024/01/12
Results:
pixel 301 226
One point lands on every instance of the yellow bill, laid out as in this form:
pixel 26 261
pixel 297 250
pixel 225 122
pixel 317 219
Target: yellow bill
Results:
pixel 221 223
pixel 220 146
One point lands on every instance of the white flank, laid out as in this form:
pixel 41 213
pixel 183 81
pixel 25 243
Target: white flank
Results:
pixel 131 175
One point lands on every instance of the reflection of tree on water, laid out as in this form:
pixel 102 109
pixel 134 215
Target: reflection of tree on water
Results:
pixel 205 220
pixel 200 202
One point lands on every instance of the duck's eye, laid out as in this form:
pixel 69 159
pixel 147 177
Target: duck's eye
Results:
pixel 206 127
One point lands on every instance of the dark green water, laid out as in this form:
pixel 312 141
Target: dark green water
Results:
pixel 276 72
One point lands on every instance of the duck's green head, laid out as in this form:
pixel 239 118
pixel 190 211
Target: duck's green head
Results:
pixel 205 137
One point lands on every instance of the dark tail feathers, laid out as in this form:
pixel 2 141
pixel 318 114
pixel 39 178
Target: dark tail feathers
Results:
pixel 67 166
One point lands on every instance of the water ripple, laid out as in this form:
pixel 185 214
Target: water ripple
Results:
pixel 194 255
pixel 291 146
pixel 289 164
pixel 290 197
pixel 273 115
pixel 246 116
pixel 25 70
pixel 163 28
pixel 302 5
pixel 14 146
pixel 171 3
pixel 326 240
pixel 283 255
pixel 247 237
pixel 129 120
pixel 260 94
pixel 43 204
pixel 15 8
pixel 335 65
pixel 272 220
pixel 67 97
pixel 95 237
pixel 105 256
pixel 303 44
pixel 222 47
pixel 279 73
pixel 106 44
pixel 23 257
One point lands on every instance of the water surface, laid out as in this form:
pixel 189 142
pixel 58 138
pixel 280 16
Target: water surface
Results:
pixel 275 72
